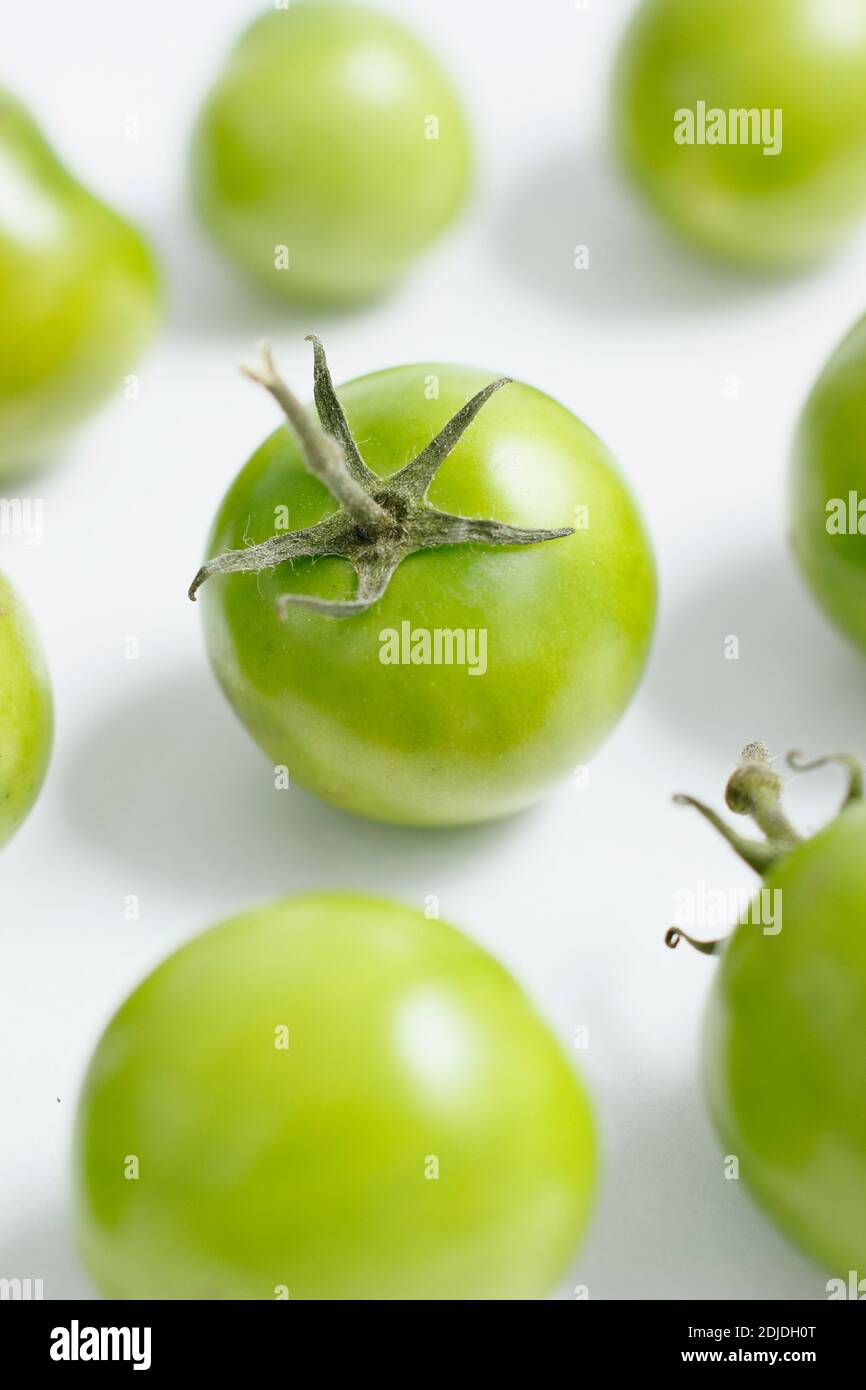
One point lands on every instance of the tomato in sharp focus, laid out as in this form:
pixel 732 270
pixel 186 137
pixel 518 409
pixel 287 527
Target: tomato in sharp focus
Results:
pixel 331 150
pixel 555 634
pixel 828 487
pixel 785 1036
pixel 331 1097
pixel 683 60
pixel 26 720
pixel 78 296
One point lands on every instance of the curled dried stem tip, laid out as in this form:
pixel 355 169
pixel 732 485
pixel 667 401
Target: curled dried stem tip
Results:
pixel 797 762
pixel 674 935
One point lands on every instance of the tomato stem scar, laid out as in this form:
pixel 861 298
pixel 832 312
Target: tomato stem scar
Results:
pixel 755 789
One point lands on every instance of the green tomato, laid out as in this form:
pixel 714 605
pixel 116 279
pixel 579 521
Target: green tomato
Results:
pixel 26 721
pixel 336 1097
pixel 800 66
pixel 330 152
pixel 785 1038
pixel 828 487
pixel 364 710
pixel 78 296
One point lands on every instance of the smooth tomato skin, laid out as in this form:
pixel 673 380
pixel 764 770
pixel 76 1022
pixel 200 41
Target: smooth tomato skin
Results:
pixel 304 1167
pixel 805 57
pixel 785 1048
pixel 568 621
pixel 829 463
pixel 26 714
pixel 78 293
pixel 315 137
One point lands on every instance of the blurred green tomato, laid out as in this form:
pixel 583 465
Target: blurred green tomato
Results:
pixel 331 1098
pixel 828 487
pixel 78 296
pixel 25 713
pixel 330 152
pixel 785 1037
pixel 744 122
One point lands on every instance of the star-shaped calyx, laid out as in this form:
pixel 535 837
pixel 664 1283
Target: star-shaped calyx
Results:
pixel 379 520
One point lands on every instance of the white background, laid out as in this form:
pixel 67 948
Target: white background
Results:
pixel 154 788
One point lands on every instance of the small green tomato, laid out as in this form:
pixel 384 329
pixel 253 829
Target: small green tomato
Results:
pixel 744 123
pixel 26 720
pixel 331 1098
pixel 329 153
pixel 503 597
pixel 785 1038
pixel 78 296
pixel 828 487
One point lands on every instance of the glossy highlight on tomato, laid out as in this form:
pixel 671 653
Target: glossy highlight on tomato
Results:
pixel 78 296
pixel 330 152
pixel 788 78
pixel 828 487
pixel 331 1097
pixel 566 623
pixel 26 715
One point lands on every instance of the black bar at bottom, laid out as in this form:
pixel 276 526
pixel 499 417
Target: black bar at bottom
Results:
pixel 68 1338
